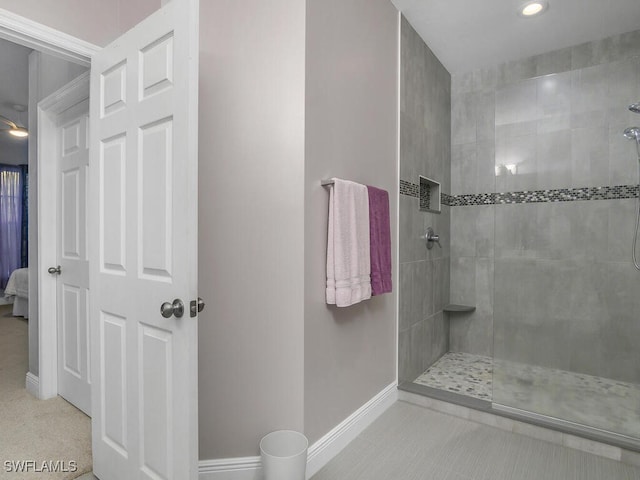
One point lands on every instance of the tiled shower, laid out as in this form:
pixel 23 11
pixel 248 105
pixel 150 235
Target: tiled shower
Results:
pixel 540 189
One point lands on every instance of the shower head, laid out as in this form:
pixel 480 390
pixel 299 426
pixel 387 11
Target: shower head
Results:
pixel 635 107
pixel 632 133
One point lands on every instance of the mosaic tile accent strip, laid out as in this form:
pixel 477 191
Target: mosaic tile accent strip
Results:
pixel 446 199
pixel 528 196
pixel 539 196
pixel 409 189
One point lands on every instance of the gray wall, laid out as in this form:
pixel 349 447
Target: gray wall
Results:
pixel 425 149
pixel 565 293
pixel 251 223
pixel 351 133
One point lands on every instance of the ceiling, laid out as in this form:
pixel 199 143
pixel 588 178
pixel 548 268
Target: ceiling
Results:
pixel 466 34
pixel 14 89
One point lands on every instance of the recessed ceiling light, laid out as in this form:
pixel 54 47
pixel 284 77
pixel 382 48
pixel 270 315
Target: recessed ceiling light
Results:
pixel 531 9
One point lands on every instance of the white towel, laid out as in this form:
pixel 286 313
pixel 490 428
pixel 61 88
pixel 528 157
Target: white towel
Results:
pixel 348 247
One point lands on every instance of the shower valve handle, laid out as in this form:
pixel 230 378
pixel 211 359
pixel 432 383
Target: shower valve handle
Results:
pixel 432 238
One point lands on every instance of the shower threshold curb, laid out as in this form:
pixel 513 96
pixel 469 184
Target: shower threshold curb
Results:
pixel 609 444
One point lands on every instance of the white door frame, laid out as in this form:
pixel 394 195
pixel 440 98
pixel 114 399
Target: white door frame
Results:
pixel 48 218
pixel 23 31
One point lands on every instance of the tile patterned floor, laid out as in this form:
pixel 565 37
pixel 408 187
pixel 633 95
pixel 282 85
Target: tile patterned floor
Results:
pixel 594 401
pixel 408 442
pixel 461 373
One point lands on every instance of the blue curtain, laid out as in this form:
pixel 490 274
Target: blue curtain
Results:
pixel 11 201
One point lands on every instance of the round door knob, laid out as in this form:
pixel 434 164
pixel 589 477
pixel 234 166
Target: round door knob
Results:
pixel 176 308
pixel 55 270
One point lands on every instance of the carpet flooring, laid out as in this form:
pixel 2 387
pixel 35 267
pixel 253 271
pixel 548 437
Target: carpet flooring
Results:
pixel 50 433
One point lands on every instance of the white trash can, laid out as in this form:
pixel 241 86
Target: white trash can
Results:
pixel 284 455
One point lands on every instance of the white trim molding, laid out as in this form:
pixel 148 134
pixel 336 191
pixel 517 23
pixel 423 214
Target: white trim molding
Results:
pixel 48 217
pixel 32 384
pixel 242 468
pixel 45 39
pixel 320 453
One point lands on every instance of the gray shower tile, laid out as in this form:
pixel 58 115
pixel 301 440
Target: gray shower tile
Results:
pixel 463 280
pixel 623 83
pixel 464 168
pixel 553 94
pixel 589 96
pixel 463 231
pixel 404 356
pixel 515 71
pixel 463 119
pixel 439 278
pixel 410 144
pixel 623 159
pixel 516 103
pixel 423 288
pixel 405 294
pixel 485 116
pixel 471 333
pixel 484 230
pixel 418 348
pixel 589 230
pixel 586 351
pixel 519 155
pixel 593 53
pixel 553 62
pixel 553 153
pixel 446 282
pixel 627 44
pixel 554 102
pixel 516 231
pixel 485 79
pixel 589 157
pixel 444 226
pixel 411 219
pixel 508 275
pixel 484 286
pixel 486 162
pixel 630 458
pixel 553 230
pixel 620 231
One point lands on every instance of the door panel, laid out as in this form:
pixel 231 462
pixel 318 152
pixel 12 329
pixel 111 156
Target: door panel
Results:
pixel 144 125
pixel 72 285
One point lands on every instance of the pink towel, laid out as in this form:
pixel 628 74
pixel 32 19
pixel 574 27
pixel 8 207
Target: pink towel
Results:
pixel 348 244
pixel 380 233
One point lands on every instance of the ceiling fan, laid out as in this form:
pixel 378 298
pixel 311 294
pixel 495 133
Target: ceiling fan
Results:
pixel 14 129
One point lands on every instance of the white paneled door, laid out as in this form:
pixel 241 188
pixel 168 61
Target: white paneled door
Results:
pixel 144 176
pixel 72 283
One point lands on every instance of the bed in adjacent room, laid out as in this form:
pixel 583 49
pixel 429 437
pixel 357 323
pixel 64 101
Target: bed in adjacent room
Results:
pixel 18 288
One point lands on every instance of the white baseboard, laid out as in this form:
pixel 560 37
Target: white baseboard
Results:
pixel 32 384
pixel 245 468
pixel 320 453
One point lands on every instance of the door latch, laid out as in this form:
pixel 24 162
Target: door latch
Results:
pixel 196 306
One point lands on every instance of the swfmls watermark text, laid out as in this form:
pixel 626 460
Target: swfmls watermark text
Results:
pixel 45 466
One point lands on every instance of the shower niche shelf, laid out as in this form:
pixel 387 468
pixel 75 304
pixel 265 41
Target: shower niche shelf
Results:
pixel 429 195
pixel 455 308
